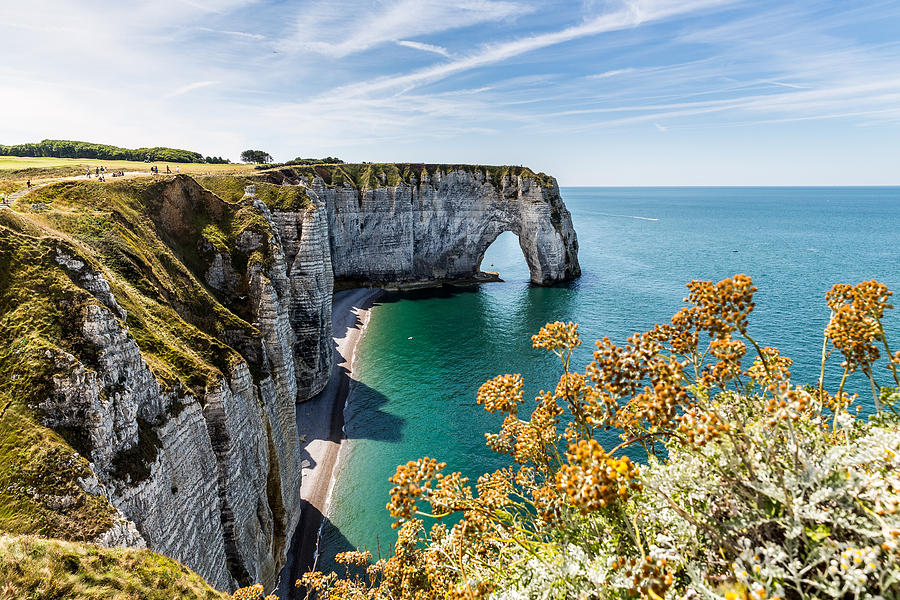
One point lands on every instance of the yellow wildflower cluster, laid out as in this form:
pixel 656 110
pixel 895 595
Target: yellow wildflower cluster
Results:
pixel 411 481
pixel 778 372
pixel 855 323
pixel 592 479
pixel 650 578
pixel 502 393
pixel 557 337
pixel 353 558
pixel 698 427
pixel 722 308
pixel 252 592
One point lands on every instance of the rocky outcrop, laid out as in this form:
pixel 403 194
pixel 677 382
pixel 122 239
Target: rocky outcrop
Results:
pixel 437 224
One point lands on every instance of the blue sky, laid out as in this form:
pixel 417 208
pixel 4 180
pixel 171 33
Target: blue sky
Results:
pixel 596 92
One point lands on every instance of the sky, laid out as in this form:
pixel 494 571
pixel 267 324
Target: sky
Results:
pixel 594 92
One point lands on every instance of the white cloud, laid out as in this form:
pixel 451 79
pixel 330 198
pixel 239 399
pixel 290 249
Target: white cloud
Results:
pixel 608 74
pixel 190 87
pixel 424 47
pixel 324 27
pixel 238 34
pixel 632 14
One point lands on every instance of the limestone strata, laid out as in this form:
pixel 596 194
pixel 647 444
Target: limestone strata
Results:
pixel 438 225
pixel 209 477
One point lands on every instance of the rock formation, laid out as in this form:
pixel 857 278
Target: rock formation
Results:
pixel 436 223
pixel 195 323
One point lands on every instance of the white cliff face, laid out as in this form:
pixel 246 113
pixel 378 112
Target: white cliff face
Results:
pixel 210 480
pixel 438 227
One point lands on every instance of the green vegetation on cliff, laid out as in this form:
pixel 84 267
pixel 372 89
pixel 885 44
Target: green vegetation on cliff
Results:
pixel 370 175
pixel 39 471
pixel 153 240
pixel 276 197
pixel 40 569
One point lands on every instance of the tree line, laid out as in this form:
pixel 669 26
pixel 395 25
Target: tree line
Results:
pixel 77 149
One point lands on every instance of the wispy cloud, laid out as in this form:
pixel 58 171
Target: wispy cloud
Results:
pixel 634 13
pixel 190 88
pixel 323 26
pixel 424 47
pixel 238 34
pixel 608 74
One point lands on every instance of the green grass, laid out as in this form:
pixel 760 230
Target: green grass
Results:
pixel 39 569
pixel 11 163
pixel 39 471
pixel 155 268
pixel 370 175
pixel 276 197
pixel 154 252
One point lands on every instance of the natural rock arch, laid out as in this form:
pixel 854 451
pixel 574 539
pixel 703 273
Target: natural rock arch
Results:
pixel 436 225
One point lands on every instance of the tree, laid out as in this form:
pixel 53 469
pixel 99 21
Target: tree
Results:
pixel 256 156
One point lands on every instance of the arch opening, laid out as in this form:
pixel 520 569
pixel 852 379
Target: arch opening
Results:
pixel 504 256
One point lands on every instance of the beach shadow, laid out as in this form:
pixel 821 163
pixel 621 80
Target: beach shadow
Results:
pixel 302 556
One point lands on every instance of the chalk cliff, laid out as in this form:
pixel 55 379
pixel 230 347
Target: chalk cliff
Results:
pixel 177 328
pixel 196 326
pixel 395 224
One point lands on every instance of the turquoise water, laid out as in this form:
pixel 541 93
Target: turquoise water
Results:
pixel 425 354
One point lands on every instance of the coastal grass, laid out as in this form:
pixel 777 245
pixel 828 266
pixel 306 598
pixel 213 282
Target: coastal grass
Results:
pixel 14 163
pixel 16 171
pixel 275 197
pixel 155 267
pixel 33 568
pixel 370 175
pixel 39 470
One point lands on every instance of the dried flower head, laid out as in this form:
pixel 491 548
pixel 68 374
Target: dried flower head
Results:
pixel 411 481
pixel 557 337
pixel 502 393
pixel 592 479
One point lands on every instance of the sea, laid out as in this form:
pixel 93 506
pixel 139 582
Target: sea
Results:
pixel 425 353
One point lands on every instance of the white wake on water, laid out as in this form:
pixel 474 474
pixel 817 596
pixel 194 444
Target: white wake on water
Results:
pixel 629 217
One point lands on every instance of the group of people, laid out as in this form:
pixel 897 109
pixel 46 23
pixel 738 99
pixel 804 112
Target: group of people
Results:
pixel 100 173
pixel 155 170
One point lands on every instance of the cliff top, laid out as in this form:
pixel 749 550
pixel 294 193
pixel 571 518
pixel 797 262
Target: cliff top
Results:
pixel 67 570
pixel 368 175
pixel 152 240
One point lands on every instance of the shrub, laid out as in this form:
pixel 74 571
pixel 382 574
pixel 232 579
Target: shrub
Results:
pixel 752 487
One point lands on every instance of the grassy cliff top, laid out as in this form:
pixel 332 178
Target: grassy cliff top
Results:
pixel 368 175
pixel 152 239
pixel 41 569
pixel 276 197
